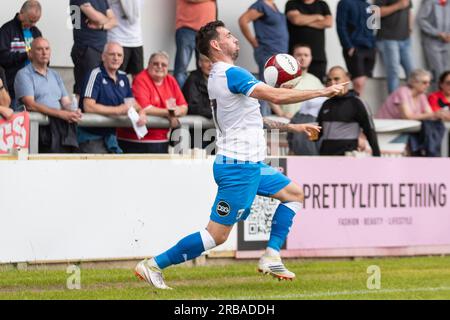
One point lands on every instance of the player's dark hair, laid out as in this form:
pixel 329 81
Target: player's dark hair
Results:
pixel 207 33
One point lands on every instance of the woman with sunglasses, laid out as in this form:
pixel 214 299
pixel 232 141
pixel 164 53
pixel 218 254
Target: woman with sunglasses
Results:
pixel 410 101
pixel 159 95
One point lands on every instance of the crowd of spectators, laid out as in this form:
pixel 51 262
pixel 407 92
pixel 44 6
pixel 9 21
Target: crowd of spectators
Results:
pixel 108 52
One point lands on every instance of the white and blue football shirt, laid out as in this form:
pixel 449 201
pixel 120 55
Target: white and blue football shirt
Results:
pixel 237 115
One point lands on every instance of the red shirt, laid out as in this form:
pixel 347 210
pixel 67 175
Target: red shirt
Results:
pixel 147 93
pixel 438 101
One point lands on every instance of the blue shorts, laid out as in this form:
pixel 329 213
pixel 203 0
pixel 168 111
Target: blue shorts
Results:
pixel 239 182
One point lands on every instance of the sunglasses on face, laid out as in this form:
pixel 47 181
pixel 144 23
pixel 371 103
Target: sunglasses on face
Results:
pixel 159 64
pixel 424 82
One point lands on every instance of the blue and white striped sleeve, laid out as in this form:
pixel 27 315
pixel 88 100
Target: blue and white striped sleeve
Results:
pixel 92 85
pixel 240 81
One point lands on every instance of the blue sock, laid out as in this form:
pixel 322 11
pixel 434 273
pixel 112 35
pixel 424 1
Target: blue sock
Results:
pixel 186 249
pixel 281 224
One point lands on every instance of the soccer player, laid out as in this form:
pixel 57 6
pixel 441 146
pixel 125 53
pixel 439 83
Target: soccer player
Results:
pixel 239 169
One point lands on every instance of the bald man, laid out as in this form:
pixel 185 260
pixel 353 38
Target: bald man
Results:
pixel 41 89
pixel 343 118
pixel 16 37
pixel 106 91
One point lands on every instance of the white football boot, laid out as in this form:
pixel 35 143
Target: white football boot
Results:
pixel 273 266
pixel 151 274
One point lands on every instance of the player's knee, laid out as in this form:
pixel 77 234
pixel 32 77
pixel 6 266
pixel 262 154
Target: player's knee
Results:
pixel 219 232
pixel 220 238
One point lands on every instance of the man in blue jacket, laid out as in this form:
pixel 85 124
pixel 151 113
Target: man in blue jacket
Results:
pixel 16 37
pixel 357 40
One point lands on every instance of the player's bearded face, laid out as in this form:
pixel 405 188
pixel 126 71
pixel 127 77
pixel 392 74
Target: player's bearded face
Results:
pixel 231 50
pixel 229 44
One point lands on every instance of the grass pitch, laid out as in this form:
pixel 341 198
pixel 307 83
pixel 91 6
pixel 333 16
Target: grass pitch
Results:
pixel 401 278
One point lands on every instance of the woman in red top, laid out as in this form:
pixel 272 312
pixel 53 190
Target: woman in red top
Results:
pixel 158 93
pixel 440 100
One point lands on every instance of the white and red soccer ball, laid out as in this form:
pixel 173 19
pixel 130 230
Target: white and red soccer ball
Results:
pixel 282 69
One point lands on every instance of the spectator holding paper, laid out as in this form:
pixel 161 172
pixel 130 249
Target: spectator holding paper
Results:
pixel 159 95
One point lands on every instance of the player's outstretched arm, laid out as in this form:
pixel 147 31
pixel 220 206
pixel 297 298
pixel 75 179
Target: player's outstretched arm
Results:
pixel 308 128
pixel 287 96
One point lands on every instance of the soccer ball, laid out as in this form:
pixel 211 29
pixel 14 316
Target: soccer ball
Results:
pixel 282 69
